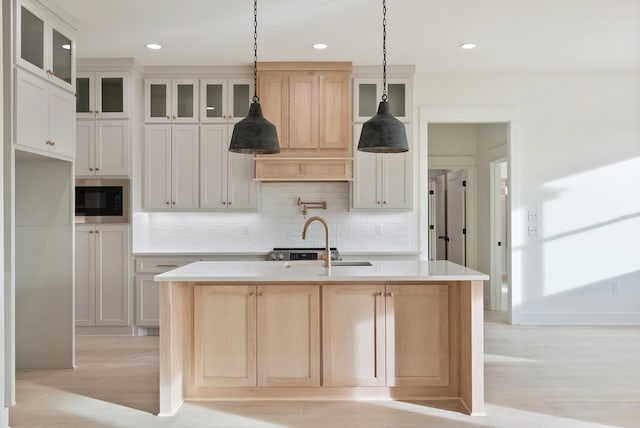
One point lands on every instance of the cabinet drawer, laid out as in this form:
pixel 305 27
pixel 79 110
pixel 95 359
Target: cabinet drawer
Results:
pixel 333 169
pixel 160 265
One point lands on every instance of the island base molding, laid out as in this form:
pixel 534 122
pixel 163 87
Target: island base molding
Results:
pixel 454 308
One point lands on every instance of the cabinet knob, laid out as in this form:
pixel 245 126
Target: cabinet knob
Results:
pixel 378 202
pixel 167 203
pixel 261 294
pixel 173 203
pixel 91 231
pixel 97 169
pixel 168 117
pixel 174 116
pixel 380 294
pixel 224 203
pixel 390 294
pixel 385 202
pixel 90 169
pixel 229 203
pixel 252 294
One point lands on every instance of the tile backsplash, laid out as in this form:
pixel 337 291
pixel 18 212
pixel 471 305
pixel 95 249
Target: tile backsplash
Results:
pixel 278 223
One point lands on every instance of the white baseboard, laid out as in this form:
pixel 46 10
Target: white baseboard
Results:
pixel 580 318
pixel 105 331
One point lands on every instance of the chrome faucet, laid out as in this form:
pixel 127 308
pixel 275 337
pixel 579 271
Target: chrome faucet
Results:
pixel 327 253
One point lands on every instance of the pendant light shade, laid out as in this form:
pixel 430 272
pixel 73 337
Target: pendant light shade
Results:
pixel 383 133
pixel 254 134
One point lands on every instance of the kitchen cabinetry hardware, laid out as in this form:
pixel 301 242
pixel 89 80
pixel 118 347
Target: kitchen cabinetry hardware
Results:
pixel 311 205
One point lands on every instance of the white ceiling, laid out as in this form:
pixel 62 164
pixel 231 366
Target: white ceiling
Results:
pixel 512 35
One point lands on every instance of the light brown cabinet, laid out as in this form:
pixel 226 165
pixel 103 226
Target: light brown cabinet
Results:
pixel 395 335
pixel 265 336
pixel 310 105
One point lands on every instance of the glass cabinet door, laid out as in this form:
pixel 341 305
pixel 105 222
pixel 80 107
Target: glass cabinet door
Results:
pixel 85 104
pixel 111 95
pixel 61 56
pixel 396 96
pixel 31 38
pixel 368 94
pixel 157 100
pixel 213 97
pixel 185 100
pixel 240 94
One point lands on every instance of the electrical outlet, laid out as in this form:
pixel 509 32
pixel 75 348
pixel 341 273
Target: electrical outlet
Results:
pixel 615 287
pixel 532 216
pixel 533 230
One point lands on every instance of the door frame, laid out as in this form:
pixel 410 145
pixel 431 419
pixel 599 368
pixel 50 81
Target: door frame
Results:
pixel 478 114
pixel 495 209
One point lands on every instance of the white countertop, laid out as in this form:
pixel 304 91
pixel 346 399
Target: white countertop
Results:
pixel 380 270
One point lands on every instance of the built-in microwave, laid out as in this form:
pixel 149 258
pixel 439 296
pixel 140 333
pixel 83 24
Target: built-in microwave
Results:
pixel 102 201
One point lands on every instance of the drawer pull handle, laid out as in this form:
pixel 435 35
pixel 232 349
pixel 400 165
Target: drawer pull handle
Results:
pixel 167 266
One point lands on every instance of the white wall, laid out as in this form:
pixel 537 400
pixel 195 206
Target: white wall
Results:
pixel 578 133
pixel 4 410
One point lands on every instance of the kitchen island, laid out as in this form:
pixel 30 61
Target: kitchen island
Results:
pixel 256 330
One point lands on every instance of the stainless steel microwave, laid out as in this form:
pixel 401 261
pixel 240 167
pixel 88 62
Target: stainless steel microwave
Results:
pixel 102 201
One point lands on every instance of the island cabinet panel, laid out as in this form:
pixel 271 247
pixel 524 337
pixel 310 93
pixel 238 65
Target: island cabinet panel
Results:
pixel 353 335
pixel 417 334
pixel 288 335
pixel 225 335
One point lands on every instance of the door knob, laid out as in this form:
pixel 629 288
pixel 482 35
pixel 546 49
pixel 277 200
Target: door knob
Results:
pixel 446 238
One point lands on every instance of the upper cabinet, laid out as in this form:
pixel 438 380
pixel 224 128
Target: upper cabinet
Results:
pixel 310 105
pixel 44 45
pixel 224 100
pixel 367 93
pixel 171 100
pixel 102 95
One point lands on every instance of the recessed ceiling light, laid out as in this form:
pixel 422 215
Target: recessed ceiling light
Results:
pixel 153 46
pixel 468 46
pixel 320 46
pixel 67 47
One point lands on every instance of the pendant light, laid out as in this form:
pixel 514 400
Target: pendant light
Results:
pixel 254 134
pixel 383 133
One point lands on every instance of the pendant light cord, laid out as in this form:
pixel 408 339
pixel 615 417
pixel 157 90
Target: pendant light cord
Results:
pixel 255 52
pixel 384 50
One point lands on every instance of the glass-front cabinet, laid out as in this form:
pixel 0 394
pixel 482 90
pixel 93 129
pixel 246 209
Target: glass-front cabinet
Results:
pixel 224 100
pixel 367 95
pixel 101 95
pixel 171 100
pixel 44 46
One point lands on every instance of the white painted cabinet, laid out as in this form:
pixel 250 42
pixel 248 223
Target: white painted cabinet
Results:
pixel 102 147
pixel 147 302
pixel 102 95
pixel 171 100
pixel 226 178
pixel 381 181
pixel 102 275
pixel 44 116
pixel 224 100
pixel 171 170
pixel 45 46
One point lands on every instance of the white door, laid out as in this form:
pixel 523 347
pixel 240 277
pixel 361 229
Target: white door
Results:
pixel 441 217
pixel 456 216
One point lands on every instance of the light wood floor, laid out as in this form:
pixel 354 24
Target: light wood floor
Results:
pixel 535 377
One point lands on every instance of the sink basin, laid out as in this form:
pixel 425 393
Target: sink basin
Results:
pixel 351 264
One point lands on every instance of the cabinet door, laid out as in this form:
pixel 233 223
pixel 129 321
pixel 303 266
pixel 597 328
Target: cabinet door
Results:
pixel 353 332
pixel 213 166
pixel 32 111
pixel 417 335
pixel 398 98
pixel 30 43
pixel 213 100
pixel 288 335
pixel 111 95
pixel 184 99
pixel 112 147
pixel 62 130
pixel 274 99
pixel 85 147
pixel 240 93
pixel 85 276
pixel 147 301
pixel 112 288
pixel 157 100
pixel 303 112
pixel 334 107
pixel 396 180
pixel 85 96
pixel 366 192
pixel 366 96
pixel 185 176
pixel 242 189
pixel 225 335
pixel 62 56
pixel 157 166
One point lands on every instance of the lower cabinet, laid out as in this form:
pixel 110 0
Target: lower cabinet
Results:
pixel 265 336
pixel 147 301
pixel 394 335
pixel 102 275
